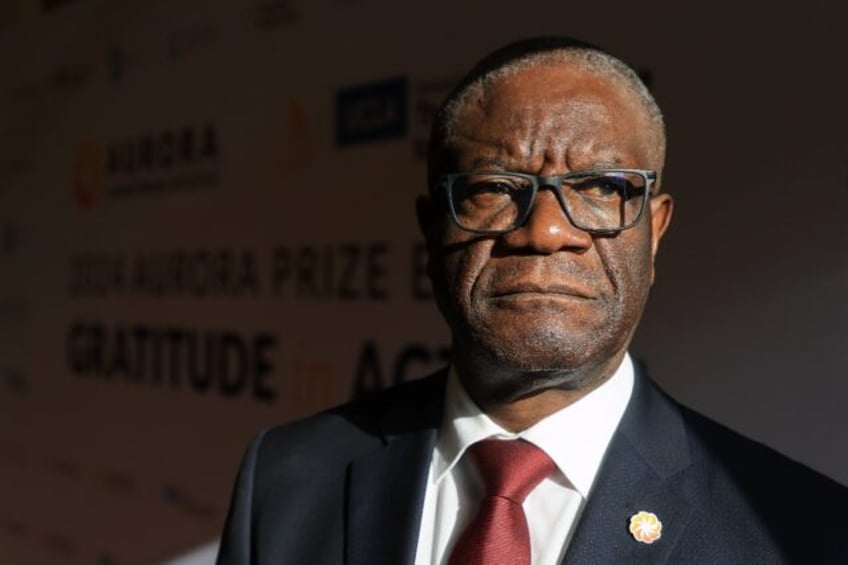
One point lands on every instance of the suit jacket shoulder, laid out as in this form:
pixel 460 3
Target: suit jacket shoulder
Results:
pixel 326 489
pixel 803 511
pixel 721 498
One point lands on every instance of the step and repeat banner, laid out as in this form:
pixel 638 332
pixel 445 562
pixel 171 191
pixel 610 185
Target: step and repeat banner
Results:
pixel 207 227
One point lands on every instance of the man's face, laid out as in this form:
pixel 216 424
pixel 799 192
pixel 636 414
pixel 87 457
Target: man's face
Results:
pixel 547 297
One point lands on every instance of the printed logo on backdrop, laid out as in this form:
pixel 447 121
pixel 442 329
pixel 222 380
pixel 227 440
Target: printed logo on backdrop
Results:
pixel 273 13
pixel 146 164
pixel 371 112
pixel 426 98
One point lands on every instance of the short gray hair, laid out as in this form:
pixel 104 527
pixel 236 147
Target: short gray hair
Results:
pixel 539 52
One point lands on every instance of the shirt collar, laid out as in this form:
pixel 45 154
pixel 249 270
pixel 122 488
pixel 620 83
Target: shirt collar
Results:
pixel 575 437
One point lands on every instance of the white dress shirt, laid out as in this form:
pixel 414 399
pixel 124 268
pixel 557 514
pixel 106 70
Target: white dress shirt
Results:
pixel 575 438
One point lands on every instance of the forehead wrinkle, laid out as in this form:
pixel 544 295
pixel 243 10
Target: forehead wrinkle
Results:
pixel 486 139
pixel 496 154
pixel 566 126
pixel 533 137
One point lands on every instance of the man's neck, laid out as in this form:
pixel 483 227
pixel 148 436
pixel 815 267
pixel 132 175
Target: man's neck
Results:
pixel 542 396
pixel 521 414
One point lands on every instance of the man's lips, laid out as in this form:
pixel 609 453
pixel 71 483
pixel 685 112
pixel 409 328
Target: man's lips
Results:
pixel 530 290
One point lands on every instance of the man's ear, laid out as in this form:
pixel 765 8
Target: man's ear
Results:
pixel 662 206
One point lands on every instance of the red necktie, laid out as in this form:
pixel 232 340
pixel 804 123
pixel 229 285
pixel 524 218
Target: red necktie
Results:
pixel 498 535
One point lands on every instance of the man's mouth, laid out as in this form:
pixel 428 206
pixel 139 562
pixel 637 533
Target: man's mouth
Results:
pixel 531 290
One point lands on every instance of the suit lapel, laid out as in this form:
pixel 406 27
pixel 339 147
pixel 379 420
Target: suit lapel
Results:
pixel 641 471
pixel 386 487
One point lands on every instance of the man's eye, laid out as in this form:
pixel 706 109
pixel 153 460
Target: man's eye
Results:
pixel 603 187
pixel 493 187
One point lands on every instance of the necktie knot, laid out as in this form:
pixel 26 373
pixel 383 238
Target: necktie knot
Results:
pixel 499 535
pixel 511 468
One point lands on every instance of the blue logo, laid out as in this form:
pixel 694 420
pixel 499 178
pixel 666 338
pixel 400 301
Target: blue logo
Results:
pixel 372 112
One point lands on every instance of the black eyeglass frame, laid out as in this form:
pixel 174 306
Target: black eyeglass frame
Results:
pixel 554 183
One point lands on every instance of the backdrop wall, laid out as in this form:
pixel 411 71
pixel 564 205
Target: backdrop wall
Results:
pixel 207 226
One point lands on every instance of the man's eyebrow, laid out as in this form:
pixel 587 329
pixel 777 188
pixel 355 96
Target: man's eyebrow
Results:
pixel 599 158
pixel 488 163
pixel 496 163
pixel 606 163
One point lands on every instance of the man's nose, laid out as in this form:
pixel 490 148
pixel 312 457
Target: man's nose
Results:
pixel 547 229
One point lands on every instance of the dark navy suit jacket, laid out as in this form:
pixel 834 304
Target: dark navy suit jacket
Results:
pixel 347 486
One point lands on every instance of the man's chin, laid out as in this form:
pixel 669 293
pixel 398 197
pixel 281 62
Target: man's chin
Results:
pixel 520 375
pixel 540 354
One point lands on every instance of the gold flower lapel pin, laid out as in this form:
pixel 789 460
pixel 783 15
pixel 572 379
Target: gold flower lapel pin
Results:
pixel 645 527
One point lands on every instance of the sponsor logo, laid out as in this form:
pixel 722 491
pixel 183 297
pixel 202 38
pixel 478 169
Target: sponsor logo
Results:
pixel 147 163
pixel 371 112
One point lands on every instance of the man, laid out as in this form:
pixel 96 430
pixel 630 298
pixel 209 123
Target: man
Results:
pixel 543 221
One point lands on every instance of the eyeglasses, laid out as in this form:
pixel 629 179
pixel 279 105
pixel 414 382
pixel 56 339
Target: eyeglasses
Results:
pixel 602 202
